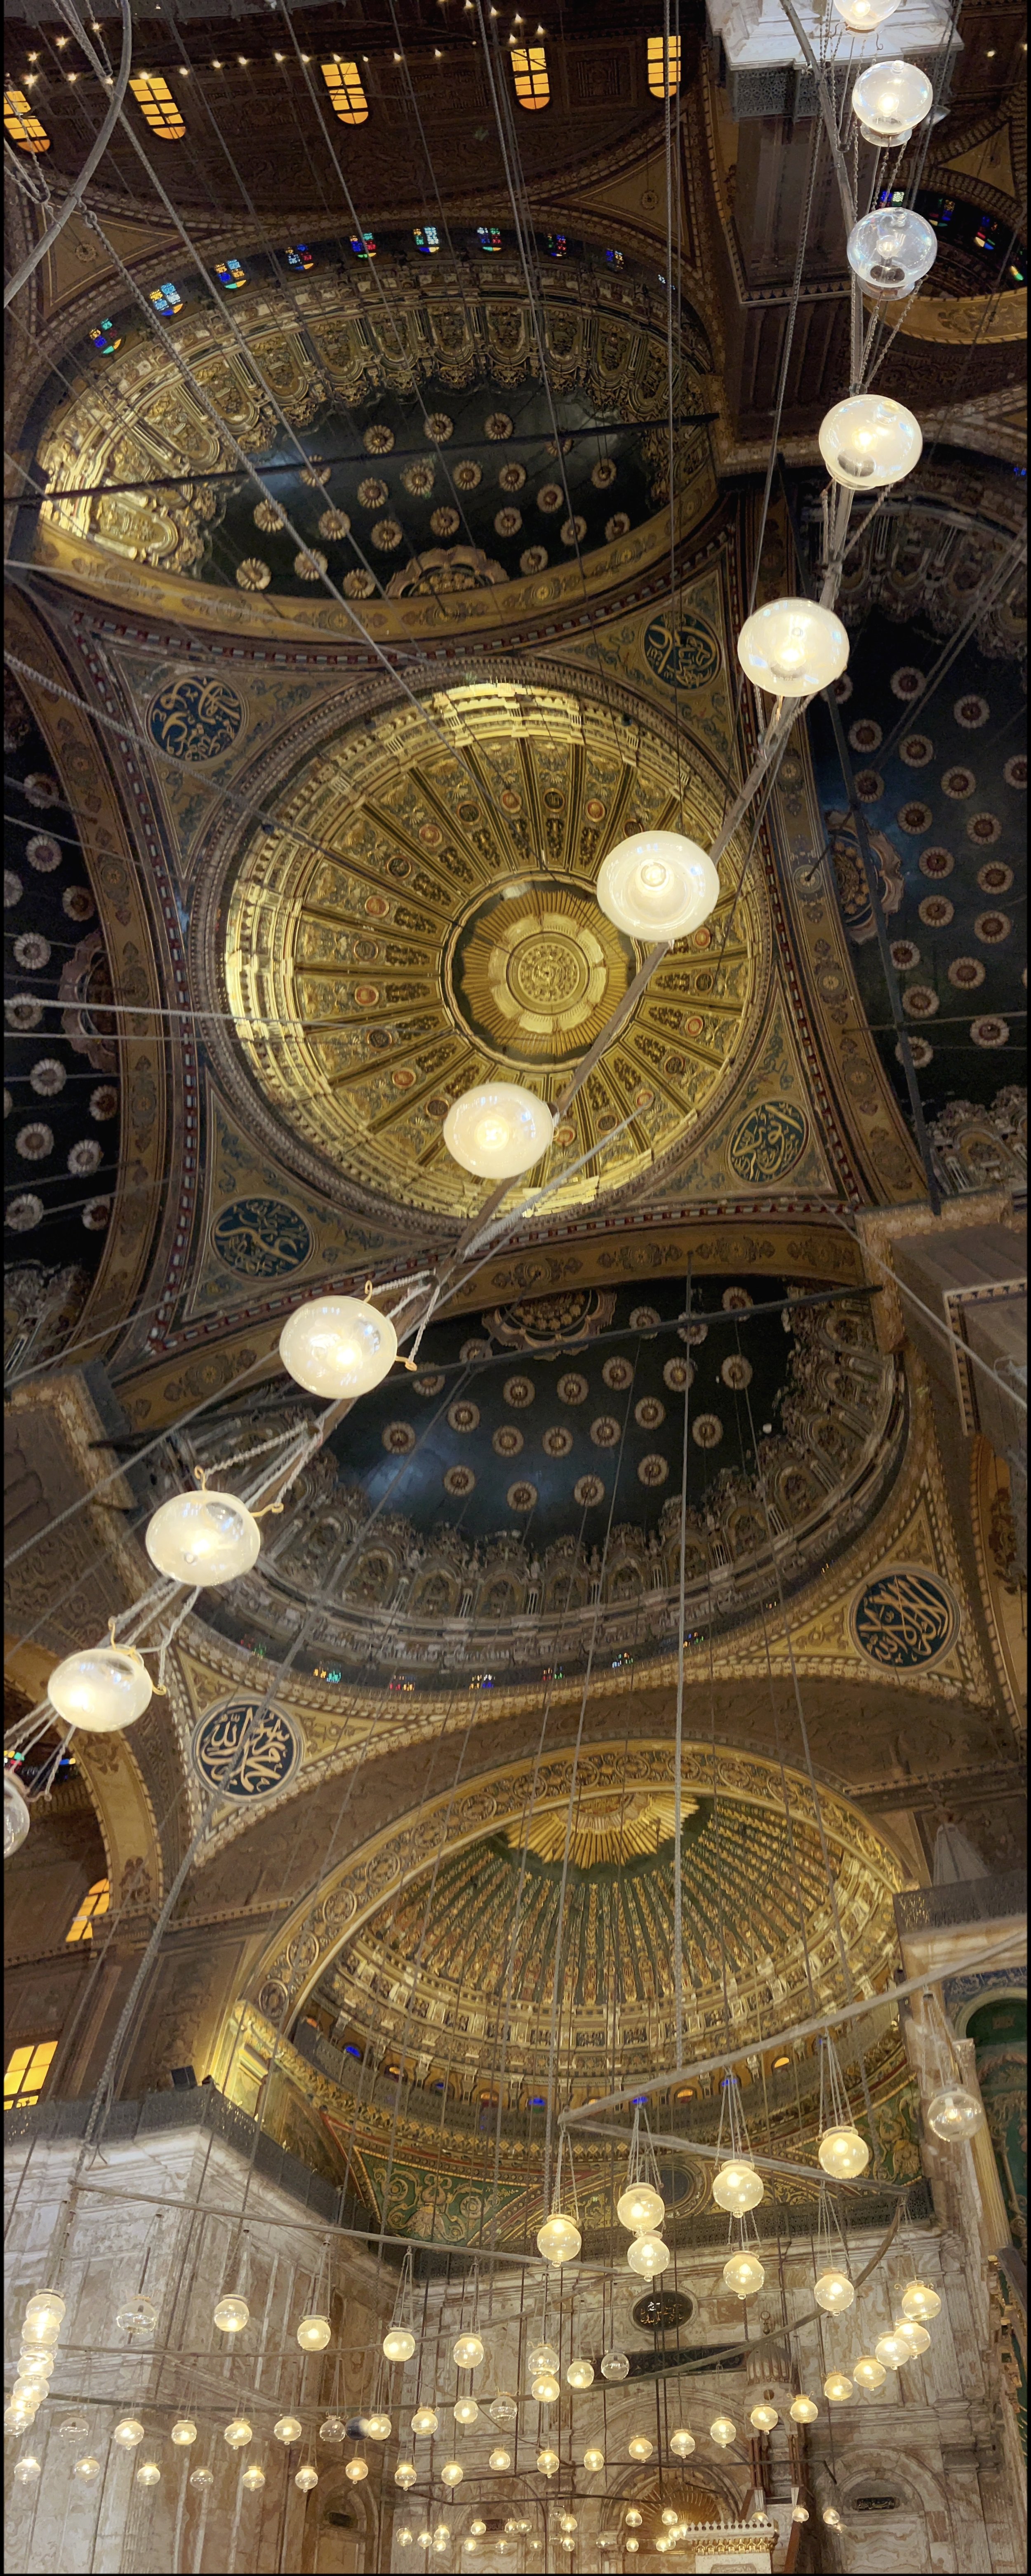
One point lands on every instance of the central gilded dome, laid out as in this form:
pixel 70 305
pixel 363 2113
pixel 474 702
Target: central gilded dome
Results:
pixel 424 914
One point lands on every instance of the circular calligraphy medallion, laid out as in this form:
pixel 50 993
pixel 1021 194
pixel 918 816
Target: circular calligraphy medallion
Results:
pixel 533 970
pixel 686 656
pixel 246 1751
pixel 905 1620
pixel 197 718
pixel 261 1238
pixel 767 1142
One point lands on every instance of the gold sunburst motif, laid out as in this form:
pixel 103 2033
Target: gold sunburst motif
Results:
pixel 535 970
pixel 616 1828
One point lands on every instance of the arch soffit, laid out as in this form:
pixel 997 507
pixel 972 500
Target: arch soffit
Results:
pixel 118 1792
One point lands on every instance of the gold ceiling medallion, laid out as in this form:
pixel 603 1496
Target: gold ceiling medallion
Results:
pixel 534 970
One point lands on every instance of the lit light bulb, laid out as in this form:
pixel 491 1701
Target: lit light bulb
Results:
pixel 837 2388
pixel 594 2457
pixel 465 2411
pixel 682 2443
pixel 44 2317
pixel 231 2315
pixel 287 2430
pixel 26 2470
pixel 889 99
pixel 843 2152
pixel 203 1538
pixel 238 2433
pixel 639 2206
pixel 890 2349
pixel 405 2473
pixel 657 886
pixel 792 648
pixel 799 2513
pixel 35 2362
pixel 803 2410
pixel 633 2545
pixel 736 2187
pixel 202 2477
pixel 891 250
pixel 868 441
pixel 338 1346
pixel 567 2522
pixel 668 2514
pixel 547 2462
pixel 16 1816
pixel 377 2426
pixel 614 2365
pixel 915 2335
pixel 862 15
pixel 867 2372
pixel 253 2479
pixel 307 2477
pixel 723 2431
pixel 127 2433
pixel 580 2374
pixel 498 1131
pixel 101 1690
pixel 500 2459
pixel 744 2275
pixel 333 2429
pixel 313 2334
pixel 87 2470
pixel 138 2317
pixel 545 2388
pixel 148 2474
pixel 558 2240
pixel 920 2301
pixel 424 2422
pixel 833 2291
pixel 504 2409
pixel 541 2356
pixel 398 2344
pixel 954 2114
pixel 184 2432
pixel 832 2517
pixel 764 2418
pixel 639 2446
pixel 467 2352
pixel 355 2470
pixel 648 2254
pixel 633 2518
pixel 452 2473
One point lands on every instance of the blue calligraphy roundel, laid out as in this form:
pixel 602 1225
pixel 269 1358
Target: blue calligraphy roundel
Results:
pixel 905 1620
pixel 246 1751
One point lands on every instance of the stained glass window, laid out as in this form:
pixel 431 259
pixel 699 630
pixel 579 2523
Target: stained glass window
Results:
pixel 343 81
pixel 161 110
pixel 105 338
pixel 96 1901
pixel 22 124
pixel 26 2072
pixel 167 298
pixel 530 73
pixel 663 72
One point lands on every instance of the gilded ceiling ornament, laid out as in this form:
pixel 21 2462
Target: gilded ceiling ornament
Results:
pixel 736 1301
pixel 935 862
pixel 936 911
pixel 498 425
pixel 508 523
pixel 387 535
pixel 535 559
pixel 378 439
pixel 707 1430
pixel 521 1497
pixel 551 497
pixel 439 427
pixel 43 853
pixel 617 526
pixel 649 1413
pixel 617 1371
pixel 445 522
pixel 557 1442
pixel 315 474
pixel 467 475
pixel 372 493
pixel 653 1470
pixel 359 585
pixel 419 479
pixel 507 1440
pixel 24 1212
pixel 605 1431
pixel 310 566
pixel 268 517
pixel 571 1388
pixel 603 474
pixel 990 1032
pixel 196 717
pixel 253 574
pixel 678 1374
pixel 459 1481
pixel 995 877
pixel 334 523
pixel 573 531
pixel 512 476
pixel 736 1371
pixel 588 1491
pixel 519 1392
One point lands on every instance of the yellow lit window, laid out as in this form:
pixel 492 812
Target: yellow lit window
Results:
pixel 343 81
pixel 26 2072
pixel 153 95
pixel 96 1902
pixel 23 127
pixel 662 81
pixel 530 72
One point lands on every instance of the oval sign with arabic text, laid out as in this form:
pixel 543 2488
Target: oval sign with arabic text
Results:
pixel 906 1619
pixel 246 1751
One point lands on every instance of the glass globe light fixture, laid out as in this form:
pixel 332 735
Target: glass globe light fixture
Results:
pixel 920 2301
pixel 424 2421
pixel 633 2519
pixel 558 2240
pixel 541 2356
pixel 398 2344
pixel 504 2409
pixel 614 2365
pixel 203 1537
pixel 378 2426
pixel 27 2393
pixel 202 2477
pixel 44 2317
pixel 868 2373
pixel 184 2432
pixel 833 2292
pixel 594 2457
pixel 567 2522
pixel 26 2470
pixel 500 2459
pixel 869 441
pixel 744 2275
pixel 73 2428
pixel 287 2430
pixel 889 99
pixel 465 2411
pixel 231 2315
pixel 478 2527
pixel 148 2474
pixel 313 2334
pixel 799 2513
pixel 657 886
pixel 832 2517
pixel 891 250
pixel 803 2410
pixel 338 1346
pixel 306 2478
pixel 547 2462
pixel 138 2317
pixel 862 15
pixel 545 2388
pixel 632 2545
pixel 668 2514
pixel 837 2388
pixel 682 2443
pixel 915 2335
pixel 405 2473
pixel 452 2473
pixel 101 1690
pixel 954 2114
pixel 87 2470
pixel 890 2349
pixel 498 1131
pixel 580 2374
pixel 16 1816
pixel 467 2352
pixel 238 2433
pixel 843 2153
pixel 35 2363
pixel 639 2446
pixel 736 2187
pixel 127 2433
pixel 792 647
pixel 723 2431
pixel 253 2479
pixel 648 2254
pixel 333 2429
pixel 640 2207
pixel 355 2470
pixel 764 2418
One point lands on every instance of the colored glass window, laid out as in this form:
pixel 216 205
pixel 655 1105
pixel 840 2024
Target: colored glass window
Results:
pixel 96 1901
pixel 530 73
pixel 153 96
pixel 663 69
pixel 299 256
pixel 26 2071
pixel 556 245
pixel 230 274
pixel 427 237
pixel 343 81
pixel 488 237
pixel 105 338
pixel 614 258
pixel 167 298
pixel 22 124
pixel 364 245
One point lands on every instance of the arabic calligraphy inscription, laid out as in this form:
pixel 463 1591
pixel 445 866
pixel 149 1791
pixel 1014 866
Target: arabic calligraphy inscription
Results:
pixel 905 1620
pixel 767 1143
pixel 245 1750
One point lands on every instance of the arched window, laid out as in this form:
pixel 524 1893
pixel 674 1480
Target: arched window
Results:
pixel 96 1901
pixel 105 339
pixel 530 73
pixel 26 2072
pixel 343 81
pixel 663 78
pixel 22 125
pixel 153 95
